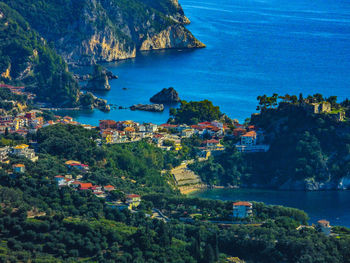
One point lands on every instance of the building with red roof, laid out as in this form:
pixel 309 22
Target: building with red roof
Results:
pixel 109 188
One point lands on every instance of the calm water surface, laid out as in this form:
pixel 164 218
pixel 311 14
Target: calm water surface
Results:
pixel 254 47
pixel 331 205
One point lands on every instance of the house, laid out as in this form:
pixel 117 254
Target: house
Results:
pixel 18 168
pixel 108 136
pixel 133 200
pixel 242 209
pixel 109 188
pixel 107 124
pixel 324 227
pixel 211 143
pixel 150 127
pixel 158 139
pixel 60 180
pixel 85 186
pixel 249 143
pixel 249 138
pixel 76 164
pixel 23 150
pixel 187 133
pixel 4 151
pixel 237 132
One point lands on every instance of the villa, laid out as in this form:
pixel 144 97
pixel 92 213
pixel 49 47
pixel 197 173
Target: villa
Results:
pixel 242 209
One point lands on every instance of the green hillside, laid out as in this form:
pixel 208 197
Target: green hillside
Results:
pixel 26 58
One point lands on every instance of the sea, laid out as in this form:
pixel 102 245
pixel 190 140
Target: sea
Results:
pixel 330 205
pixel 253 47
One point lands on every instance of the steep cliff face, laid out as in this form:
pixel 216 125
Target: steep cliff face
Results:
pixel 174 36
pixel 89 31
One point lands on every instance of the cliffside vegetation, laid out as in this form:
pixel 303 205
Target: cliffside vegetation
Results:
pixel 307 150
pixel 27 59
pixel 194 111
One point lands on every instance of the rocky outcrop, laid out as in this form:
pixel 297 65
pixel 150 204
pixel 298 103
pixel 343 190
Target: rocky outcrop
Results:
pixel 173 37
pixel 148 107
pixel 168 95
pixel 99 79
pixel 89 31
pixel 91 102
pixel 344 183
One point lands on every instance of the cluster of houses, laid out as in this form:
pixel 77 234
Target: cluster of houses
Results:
pixel 29 122
pixel 125 131
pixel 131 201
pixel 168 136
pixel 18 91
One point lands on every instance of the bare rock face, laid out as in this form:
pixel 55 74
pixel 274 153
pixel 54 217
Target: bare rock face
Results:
pixel 148 107
pixel 168 95
pixel 173 37
pixel 86 32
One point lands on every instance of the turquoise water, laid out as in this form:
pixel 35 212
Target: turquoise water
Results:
pixel 331 205
pixel 254 47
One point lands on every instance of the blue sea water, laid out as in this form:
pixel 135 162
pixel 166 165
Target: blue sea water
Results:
pixel 254 47
pixel 331 205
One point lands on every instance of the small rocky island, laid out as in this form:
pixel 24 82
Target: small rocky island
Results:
pixel 148 107
pixel 168 95
pixel 99 79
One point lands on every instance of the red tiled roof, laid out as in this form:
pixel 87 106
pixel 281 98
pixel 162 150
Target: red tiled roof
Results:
pixel 250 134
pixel 133 196
pixel 59 176
pixel 109 186
pixel 323 222
pixel 204 123
pixel 167 125
pixel 85 185
pixel 212 141
pixel 242 203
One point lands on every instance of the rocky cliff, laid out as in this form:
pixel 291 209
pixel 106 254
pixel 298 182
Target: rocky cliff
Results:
pixel 89 31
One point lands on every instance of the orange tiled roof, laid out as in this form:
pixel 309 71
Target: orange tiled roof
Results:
pixel 242 203
pixel 250 134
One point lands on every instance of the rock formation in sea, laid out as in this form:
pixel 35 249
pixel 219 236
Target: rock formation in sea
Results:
pixel 148 107
pixel 99 79
pixel 168 95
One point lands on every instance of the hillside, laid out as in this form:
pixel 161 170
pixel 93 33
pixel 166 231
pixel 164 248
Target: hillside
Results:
pixel 45 219
pixel 308 151
pixel 89 31
pixel 26 58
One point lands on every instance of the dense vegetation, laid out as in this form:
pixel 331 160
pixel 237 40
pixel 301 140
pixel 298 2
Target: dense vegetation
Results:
pixel 195 111
pixel 29 60
pixel 41 222
pixel 304 147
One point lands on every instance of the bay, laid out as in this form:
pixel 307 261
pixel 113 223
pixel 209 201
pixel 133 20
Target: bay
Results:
pixel 254 47
pixel 330 205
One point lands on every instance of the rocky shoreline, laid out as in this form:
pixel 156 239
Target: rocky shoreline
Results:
pixel 148 107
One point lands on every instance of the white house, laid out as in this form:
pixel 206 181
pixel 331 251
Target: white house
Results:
pixel 324 227
pixel 242 209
